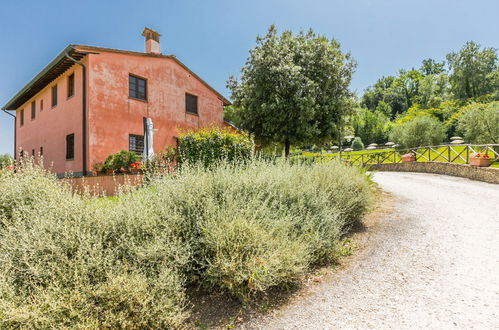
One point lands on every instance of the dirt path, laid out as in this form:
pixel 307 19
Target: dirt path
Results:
pixel 432 263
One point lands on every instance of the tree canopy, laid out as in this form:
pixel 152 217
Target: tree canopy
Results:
pixel 473 72
pixel 293 88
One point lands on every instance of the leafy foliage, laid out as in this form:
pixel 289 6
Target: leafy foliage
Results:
pixel 371 127
pixel 210 146
pixel 357 143
pixel 118 160
pixel 75 261
pixel 418 132
pixel 480 123
pixel 294 88
pixel 474 72
pixel 6 160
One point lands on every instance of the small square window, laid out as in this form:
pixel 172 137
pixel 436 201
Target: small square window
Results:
pixel 71 85
pixel 136 143
pixel 191 103
pixel 70 146
pixel 137 88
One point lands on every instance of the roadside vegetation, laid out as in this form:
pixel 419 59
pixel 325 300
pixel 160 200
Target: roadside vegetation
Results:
pixel 78 261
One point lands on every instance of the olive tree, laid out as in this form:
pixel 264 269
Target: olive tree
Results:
pixel 418 132
pixel 480 123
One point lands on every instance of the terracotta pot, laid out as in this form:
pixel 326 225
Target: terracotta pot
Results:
pixel 110 172
pixel 124 170
pixel 407 158
pixel 479 162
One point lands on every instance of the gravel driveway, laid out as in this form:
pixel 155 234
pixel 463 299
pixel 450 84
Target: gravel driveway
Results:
pixel 432 263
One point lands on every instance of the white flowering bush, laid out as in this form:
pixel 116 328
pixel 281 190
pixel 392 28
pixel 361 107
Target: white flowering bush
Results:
pixel 78 261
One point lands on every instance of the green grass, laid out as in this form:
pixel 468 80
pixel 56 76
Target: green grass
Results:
pixel 385 156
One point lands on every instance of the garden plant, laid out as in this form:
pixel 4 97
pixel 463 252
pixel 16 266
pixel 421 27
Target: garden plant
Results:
pixel 76 261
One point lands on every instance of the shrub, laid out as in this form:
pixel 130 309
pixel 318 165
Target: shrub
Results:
pixel 211 145
pixel 69 261
pixel 5 160
pixel 74 261
pixel 263 226
pixel 118 160
pixel 480 123
pixel 418 132
pixel 357 143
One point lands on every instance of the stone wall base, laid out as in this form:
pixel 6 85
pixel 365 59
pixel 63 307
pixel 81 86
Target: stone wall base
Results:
pixel 485 174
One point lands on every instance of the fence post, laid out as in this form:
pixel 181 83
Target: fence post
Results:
pixel 448 154
pixel 467 154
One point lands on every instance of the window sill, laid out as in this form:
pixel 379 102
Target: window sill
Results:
pixel 70 97
pixel 136 99
pixel 70 159
pixel 192 113
pixel 54 106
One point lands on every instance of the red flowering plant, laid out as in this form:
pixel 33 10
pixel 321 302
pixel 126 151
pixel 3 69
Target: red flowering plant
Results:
pixel 136 165
pixel 480 155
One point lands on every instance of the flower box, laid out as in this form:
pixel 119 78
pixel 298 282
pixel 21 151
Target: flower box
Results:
pixel 407 158
pixel 479 162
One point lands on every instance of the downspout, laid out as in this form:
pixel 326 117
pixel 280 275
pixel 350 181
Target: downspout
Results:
pixel 83 112
pixel 15 128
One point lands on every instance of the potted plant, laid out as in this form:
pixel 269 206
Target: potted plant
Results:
pixel 120 162
pixel 135 167
pixel 409 157
pixel 97 168
pixel 480 160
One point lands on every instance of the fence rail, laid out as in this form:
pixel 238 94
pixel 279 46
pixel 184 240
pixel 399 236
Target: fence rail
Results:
pixel 459 153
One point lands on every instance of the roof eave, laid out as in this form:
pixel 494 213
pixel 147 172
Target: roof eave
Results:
pixel 47 68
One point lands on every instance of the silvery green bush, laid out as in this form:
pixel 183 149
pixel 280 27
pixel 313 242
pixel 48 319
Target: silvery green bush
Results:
pixel 70 260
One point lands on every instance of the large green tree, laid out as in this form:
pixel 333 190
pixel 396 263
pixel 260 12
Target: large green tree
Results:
pixel 474 71
pixel 371 126
pixel 294 88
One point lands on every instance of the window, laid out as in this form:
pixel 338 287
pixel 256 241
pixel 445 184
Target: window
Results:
pixel 137 88
pixel 33 110
pixel 54 96
pixel 41 105
pixel 71 85
pixel 21 154
pixel 41 151
pixel 70 146
pixel 32 152
pixel 191 103
pixel 21 120
pixel 136 143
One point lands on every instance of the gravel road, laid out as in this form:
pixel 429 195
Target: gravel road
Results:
pixel 431 263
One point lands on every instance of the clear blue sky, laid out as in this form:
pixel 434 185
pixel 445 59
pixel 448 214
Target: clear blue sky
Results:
pixel 213 37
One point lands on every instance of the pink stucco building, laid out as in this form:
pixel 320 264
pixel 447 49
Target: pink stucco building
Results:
pixel 89 102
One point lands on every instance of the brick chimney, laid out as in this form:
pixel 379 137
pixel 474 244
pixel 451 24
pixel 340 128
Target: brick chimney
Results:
pixel 152 41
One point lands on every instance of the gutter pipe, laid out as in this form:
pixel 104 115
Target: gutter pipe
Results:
pixel 83 111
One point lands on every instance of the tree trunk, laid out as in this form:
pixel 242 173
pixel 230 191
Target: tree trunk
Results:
pixel 287 145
